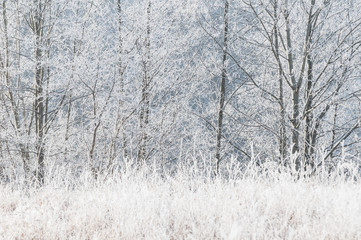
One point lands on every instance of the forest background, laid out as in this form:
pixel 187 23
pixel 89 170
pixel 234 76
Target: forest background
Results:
pixel 93 85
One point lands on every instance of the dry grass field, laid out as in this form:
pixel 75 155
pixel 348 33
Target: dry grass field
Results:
pixel 148 205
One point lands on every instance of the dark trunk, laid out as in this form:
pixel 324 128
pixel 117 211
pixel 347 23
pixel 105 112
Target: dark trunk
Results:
pixel 39 98
pixel 144 111
pixel 222 90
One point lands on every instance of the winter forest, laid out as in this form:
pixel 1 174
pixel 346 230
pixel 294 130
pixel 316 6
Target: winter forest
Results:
pixel 90 89
pixel 93 84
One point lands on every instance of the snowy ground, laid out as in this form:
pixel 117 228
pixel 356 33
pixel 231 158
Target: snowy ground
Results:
pixel 184 207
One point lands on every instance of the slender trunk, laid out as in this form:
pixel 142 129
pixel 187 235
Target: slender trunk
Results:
pixel 67 128
pixel 121 80
pixel 144 111
pixel 118 121
pixel 310 125
pixel 222 90
pixel 120 46
pixel 47 70
pixel 334 125
pixel 93 167
pixel 308 146
pixel 282 142
pixel 295 91
pixel 39 98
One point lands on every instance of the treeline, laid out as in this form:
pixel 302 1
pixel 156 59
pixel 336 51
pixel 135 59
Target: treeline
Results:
pixel 92 84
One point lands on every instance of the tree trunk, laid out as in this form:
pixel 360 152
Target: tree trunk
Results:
pixel 282 139
pixel 295 91
pixel 222 89
pixel 119 122
pixel 308 146
pixel 39 98
pixel 144 111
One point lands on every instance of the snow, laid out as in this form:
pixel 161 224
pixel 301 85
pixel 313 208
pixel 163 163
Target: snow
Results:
pixel 148 206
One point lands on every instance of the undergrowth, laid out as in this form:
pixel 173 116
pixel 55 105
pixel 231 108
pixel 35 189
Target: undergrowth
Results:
pixel 253 201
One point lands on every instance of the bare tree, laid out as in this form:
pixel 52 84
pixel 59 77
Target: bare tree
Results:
pixel 222 89
pixel 310 81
